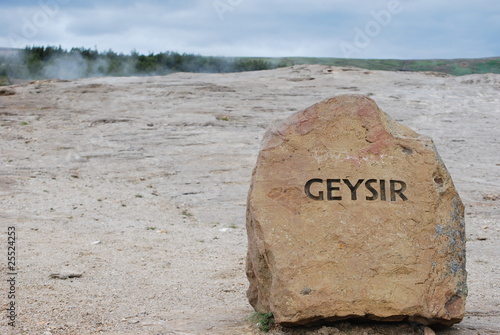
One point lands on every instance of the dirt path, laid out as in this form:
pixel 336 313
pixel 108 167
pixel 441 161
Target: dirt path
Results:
pixel 139 184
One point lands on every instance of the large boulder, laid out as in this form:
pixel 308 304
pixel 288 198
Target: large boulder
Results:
pixel 352 215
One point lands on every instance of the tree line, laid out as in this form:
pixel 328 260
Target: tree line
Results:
pixel 40 62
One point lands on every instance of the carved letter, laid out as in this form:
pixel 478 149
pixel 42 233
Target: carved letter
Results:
pixel 307 189
pixel 370 188
pixel 353 188
pixel 399 191
pixel 330 188
pixel 382 190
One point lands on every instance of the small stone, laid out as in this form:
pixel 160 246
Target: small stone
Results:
pixel 65 274
pixel 96 242
pixel 429 331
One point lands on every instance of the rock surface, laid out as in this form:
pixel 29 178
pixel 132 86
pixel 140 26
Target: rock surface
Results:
pixel 187 143
pixel 352 215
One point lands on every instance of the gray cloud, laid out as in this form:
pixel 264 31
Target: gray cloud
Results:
pixel 424 29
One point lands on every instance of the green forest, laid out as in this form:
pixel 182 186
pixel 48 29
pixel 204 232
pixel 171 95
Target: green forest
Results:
pixel 49 62
pixel 39 62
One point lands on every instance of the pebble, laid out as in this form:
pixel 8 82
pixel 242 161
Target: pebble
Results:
pixel 65 274
pixel 429 331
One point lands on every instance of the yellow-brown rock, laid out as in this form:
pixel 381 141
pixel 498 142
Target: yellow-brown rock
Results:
pixel 351 215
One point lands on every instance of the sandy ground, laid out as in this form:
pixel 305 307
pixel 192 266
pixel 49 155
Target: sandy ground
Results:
pixel 139 185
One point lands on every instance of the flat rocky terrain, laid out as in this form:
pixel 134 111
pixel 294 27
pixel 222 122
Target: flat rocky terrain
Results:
pixel 128 195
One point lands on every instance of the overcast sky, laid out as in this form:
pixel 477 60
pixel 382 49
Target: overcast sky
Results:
pixel 401 29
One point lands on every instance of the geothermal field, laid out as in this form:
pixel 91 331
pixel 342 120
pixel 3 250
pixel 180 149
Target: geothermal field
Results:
pixel 127 195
